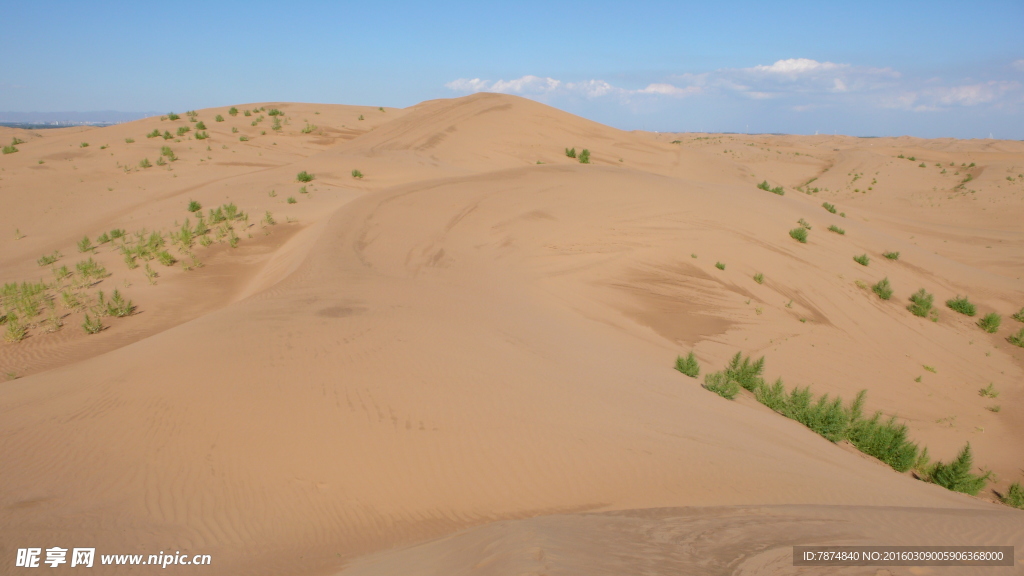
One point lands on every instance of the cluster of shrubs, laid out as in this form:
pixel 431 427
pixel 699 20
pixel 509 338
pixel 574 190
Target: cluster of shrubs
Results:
pixel 767 187
pixel 883 438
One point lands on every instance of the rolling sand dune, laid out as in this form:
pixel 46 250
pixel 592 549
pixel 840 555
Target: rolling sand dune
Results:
pixel 462 363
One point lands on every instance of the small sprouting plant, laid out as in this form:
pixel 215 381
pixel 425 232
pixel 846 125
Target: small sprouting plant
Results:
pixel 14 332
pixel 309 128
pixel 61 273
pixel 720 265
pixel 129 140
pixel 129 261
pixel 194 206
pixel 1019 316
pixel 585 156
pixel 883 289
pixel 836 229
pixel 303 190
pixel 84 145
pixel 799 234
pixel 990 322
pixel 92 324
pixel 989 391
pixel 921 303
pixel 357 174
pixel 862 259
pixel 961 305
pixel 144 163
pixel 570 152
pixel 759 278
pixel 291 200
pixel 160 161
pixel 268 219
pixel 831 208
pixel 305 176
pixel 804 223
pixel 85 245
pixel 233 111
pixel 891 255
pixel 118 306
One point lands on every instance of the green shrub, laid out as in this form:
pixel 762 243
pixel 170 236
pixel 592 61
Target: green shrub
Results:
pixel 274 112
pixel 688 365
pixel 14 332
pixel 570 152
pixel 721 384
pixel 1014 496
pixel 92 325
pixel 961 305
pixel 921 303
pixel 862 259
pixel 233 111
pixel 202 135
pixel 361 117
pixel 160 161
pixel 166 151
pixel 891 255
pixel 173 116
pixel 194 206
pixel 767 187
pixel 305 176
pixel 884 439
pixel 103 238
pixel 9 149
pixel 182 130
pixel 165 258
pixel 129 140
pixel 988 391
pixel 990 322
pixel 291 200
pixel 759 278
pixel 15 141
pixel 247 113
pixel 48 259
pixel 799 234
pixel 166 135
pixel 1019 316
pixel 836 229
pixel 83 145
pixel 747 373
pixel 357 174
pixel 957 475
pixel 831 208
pixel 585 156
pixel 91 269
pixel 243 138
pixel 883 289
pixel 309 128
pixel 144 163
pixel 118 306
pixel 720 265
pixel 268 219
pixel 85 245
pixel 154 134
pixel 1016 339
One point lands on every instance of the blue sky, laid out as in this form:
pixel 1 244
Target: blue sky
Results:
pixel 927 69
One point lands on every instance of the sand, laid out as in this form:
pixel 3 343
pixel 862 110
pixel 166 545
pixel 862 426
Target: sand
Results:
pixel 462 362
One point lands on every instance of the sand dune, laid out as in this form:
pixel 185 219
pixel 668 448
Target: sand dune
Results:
pixel 473 344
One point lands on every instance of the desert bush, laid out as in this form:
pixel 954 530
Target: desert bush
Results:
pixel 957 475
pixel 144 163
pixel 291 200
pixel 129 140
pixel 103 238
pixel 47 259
pixel 1014 496
pixel 202 135
pixel 15 141
pixel 173 116
pixel 166 135
pixel 1019 316
pixel 233 111
pixel 862 259
pixel 194 206
pixel 160 161
pixel 357 174
pixel 274 112
pixel 799 234
pixel 154 134
pixel 268 219
pixel 247 113
pixel 759 278
pixel 990 322
pixel 988 391
pixel 585 156
pixel 884 439
pixel 570 152
pixel 891 255
pixel 91 269
pixel 720 265
pixel 83 145
pixel 961 305
pixel 721 384
pixel 831 208
pixel 883 289
pixel 836 229
pixel 85 245
pixel 361 117
pixel 9 149
pixel 61 273
pixel 1016 339
pixel 15 331
pixel 182 130
pixel 921 303
pixel 304 176
pixel 118 306
pixel 243 138
pixel 747 373
pixel 309 128
pixel 165 258
pixel 92 324
pixel 688 365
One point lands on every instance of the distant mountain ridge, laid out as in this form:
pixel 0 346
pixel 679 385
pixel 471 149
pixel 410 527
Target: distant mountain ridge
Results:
pixel 72 118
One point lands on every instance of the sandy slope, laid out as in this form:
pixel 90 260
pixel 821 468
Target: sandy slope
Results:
pixel 466 336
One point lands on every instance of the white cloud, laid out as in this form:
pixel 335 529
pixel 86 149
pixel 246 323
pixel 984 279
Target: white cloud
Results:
pixel 1019 65
pixel 802 83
